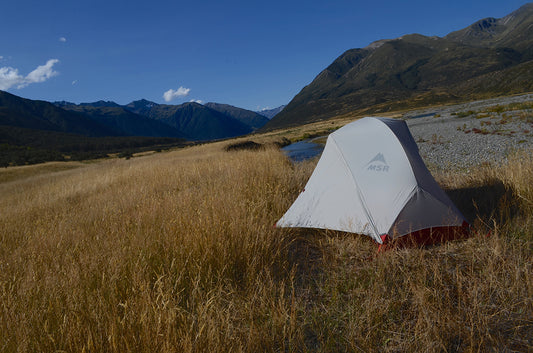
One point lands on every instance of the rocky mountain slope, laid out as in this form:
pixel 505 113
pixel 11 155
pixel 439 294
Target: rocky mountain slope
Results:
pixel 489 58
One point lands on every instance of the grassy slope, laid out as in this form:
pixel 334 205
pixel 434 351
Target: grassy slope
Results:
pixel 176 252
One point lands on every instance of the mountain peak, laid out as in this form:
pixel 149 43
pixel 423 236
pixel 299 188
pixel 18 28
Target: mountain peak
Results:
pixel 513 29
pixel 141 104
pixel 63 103
pixel 270 113
pixel 100 104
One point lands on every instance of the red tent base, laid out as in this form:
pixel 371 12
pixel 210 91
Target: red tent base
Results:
pixel 428 236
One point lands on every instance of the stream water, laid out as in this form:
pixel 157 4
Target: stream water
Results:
pixel 302 150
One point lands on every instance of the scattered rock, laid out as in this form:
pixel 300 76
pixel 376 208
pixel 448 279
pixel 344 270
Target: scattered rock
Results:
pixel 464 135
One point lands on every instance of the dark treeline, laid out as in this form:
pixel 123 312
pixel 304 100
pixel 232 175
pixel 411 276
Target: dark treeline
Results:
pixel 20 146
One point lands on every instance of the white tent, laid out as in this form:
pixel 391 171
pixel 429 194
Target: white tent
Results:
pixel 371 180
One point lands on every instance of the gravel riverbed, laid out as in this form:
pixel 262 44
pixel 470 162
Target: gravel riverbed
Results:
pixel 460 136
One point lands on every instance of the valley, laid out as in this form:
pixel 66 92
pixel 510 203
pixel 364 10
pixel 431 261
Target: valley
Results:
pixel 176 251
pixel 148 227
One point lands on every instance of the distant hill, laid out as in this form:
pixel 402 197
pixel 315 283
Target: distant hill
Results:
pixel 101 104
pixel 124 121
pixel 270 113
pixel 247 117
pixel 39 115
pixel 195 120
pixel 141 106
pixel 189 120
pixel 36 131
pixel 491 57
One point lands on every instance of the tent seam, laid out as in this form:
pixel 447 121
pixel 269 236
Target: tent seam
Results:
pixel 358 190
pixel 406 154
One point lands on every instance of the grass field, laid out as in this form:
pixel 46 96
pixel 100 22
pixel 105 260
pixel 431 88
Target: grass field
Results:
pixel 176 252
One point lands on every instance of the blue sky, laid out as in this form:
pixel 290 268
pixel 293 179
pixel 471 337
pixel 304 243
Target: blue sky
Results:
pixel 248 54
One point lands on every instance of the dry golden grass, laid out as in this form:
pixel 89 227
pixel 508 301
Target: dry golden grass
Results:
pixel 176 252
pixel 21 172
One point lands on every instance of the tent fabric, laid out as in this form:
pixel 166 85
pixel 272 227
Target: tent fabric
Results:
pixel 371 180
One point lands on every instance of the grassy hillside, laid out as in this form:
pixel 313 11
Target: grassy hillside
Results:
pixel 489 58
pixel 176 252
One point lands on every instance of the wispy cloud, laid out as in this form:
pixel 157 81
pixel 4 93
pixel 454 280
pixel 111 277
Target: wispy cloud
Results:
pixel 74 82
pixel 42 72
pixel 172 94
pixel 199 101
pixel 62 39
pixel 10 77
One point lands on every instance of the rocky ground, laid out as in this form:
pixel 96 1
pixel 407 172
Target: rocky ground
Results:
pixel 463 135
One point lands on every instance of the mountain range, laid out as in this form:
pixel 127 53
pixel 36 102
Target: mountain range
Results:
pixel 121 120
pixel 34 131
pixel 488 58
pixel 491 57
pixel 191 121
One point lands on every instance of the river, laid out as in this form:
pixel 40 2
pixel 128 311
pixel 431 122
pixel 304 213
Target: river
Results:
pixel 305 149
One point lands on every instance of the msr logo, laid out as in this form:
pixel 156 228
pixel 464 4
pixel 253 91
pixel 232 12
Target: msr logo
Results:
pixel 378 164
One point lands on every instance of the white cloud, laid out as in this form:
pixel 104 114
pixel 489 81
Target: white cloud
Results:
pixel 173 94
pixel 10 77
pixel 62 39
pixel 199 101
pixel 42 72
pixel 74 82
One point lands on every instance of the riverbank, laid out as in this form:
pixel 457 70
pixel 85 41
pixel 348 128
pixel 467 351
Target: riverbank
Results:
pixel 458 137
pixel 464 135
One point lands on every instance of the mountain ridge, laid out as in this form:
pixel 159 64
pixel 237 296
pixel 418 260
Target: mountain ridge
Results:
pixel 270 113
pixel 33 114
pixel 420 70
pixel 125 121
pixel 208 121
pixel 197 121
pixel 247 117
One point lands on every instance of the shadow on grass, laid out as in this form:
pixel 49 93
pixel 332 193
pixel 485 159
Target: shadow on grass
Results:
pixel 483 204
pixel 311 250
pixel 306 253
